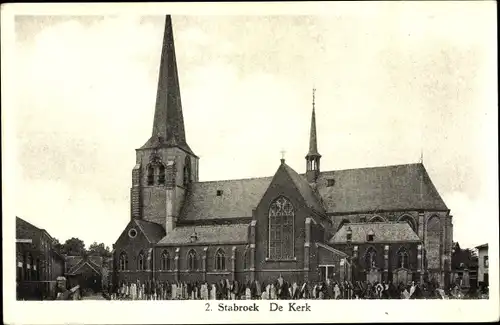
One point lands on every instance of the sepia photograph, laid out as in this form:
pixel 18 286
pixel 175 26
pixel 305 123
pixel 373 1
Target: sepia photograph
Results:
pixel 258 161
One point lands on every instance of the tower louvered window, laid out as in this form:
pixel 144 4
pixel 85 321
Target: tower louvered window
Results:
pixel 281 221
pixel 161 175
pixel 151 175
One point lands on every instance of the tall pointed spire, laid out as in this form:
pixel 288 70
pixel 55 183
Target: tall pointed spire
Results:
pixel 313 157
pixel 313 140
pixel 168 124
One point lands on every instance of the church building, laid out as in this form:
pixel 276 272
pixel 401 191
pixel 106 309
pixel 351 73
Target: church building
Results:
pixel 376 224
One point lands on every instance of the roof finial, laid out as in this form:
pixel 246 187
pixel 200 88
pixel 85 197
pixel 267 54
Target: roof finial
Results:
pixel 283 156
pixel 421 155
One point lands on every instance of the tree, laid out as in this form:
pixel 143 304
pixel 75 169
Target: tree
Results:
pixel 57 245
pixel 99 250
pixel 73 247
pixel 463 258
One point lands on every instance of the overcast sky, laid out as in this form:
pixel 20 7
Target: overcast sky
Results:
pixel 391 82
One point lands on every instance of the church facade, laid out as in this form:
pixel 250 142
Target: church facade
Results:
pixel 376 224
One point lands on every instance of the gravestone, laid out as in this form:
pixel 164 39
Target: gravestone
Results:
pixel 373 276
pixel 402 276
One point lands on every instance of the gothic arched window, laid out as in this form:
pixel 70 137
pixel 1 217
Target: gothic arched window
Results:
pixel 370 258
pixel 123 261
pixel 151 175
pixel 140 262
pixel 220 260
pixel 281 220
pixel 403 260
pixel 187 171
pixel 165 261
pixel 191 260
pixel 161 175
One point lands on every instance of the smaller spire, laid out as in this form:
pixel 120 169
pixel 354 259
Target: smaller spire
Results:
pixel 314 98
pixel 313 157
pixel 313 141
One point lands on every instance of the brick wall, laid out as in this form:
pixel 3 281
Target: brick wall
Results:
pixel 379 248
pixel 282 185
pixel 205 268
pixel 132 247
pixel 433 242
pixel 150 201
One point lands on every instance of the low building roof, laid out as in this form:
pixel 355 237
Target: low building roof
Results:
pixel 384 232
pixel 482 246
pixel 154 232
pixel 213 234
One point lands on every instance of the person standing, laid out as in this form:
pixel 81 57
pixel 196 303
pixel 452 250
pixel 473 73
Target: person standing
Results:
pixel 204 291
pixel 336 291
pixel 248 293
pixel 329 289
pixel 133 291
pixel 273 295
pixel 127 291
pixel 228 288
pixel 285 292
pixel 213 292
pixel 174 291
pixel 264 295
pixel 294 291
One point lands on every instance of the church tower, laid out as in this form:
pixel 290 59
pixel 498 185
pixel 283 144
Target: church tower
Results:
pixel 165 164
pixel 313 157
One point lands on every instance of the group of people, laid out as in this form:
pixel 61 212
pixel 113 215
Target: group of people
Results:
pixel 277 289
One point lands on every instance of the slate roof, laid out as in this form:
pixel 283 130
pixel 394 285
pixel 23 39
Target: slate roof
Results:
pixel 97 260
pixel 82 262
pixel 238 198
pixel 384 232
pixel 398 187
pixel 168 122
pixel 214 234
pixel 331 249
pixel 482 246
pixel 307 192
pixel 153 231
pixel 72 261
